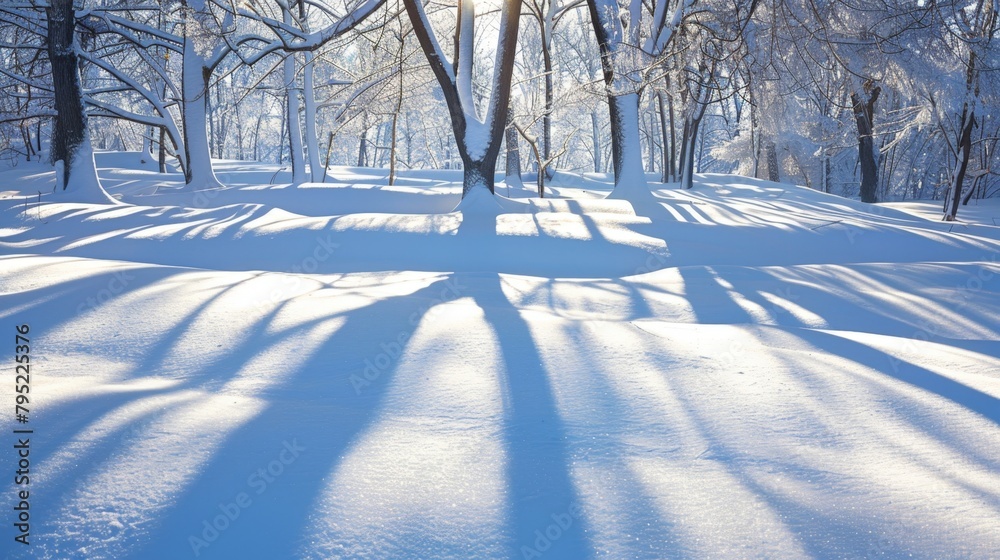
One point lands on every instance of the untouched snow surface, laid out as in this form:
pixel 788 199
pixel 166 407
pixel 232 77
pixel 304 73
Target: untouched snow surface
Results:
pixel 745 369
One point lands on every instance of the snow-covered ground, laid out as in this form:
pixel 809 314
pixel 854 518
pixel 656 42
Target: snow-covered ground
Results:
pixel 351 370
pixel 977 212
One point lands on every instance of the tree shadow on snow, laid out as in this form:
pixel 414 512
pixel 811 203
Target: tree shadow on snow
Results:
pixel 544 506
pixel 316 408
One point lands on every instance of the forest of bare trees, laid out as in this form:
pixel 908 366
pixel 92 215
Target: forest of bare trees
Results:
pixel 883 100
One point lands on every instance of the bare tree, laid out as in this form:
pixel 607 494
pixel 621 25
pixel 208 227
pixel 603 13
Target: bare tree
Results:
pixel 634 39
pixel 293 34
pixel 863 104
pixel 976 27
pixel 512 175
pixel 478 137
pixel 548 14
pixel 70 137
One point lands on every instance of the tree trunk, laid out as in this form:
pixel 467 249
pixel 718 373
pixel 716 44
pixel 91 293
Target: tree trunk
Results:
pixel 650 144
pixel 161 159
pixel 293 105
pixel 409 140
pixel 161 156
pixel 70 137
pixel 363 142
pixel 477 173
pixel 772 163
pixel 309 102
pixel 682 156
pixel 673 139
pixel 397 109
pixel 198 173
pixel 392 134
pixel 623 102
pixel 256 134
pixel 972 191
pixel 665 164
pixel 595 126
pixel 513 170
pixel 282 143
pixel 690 140
pixel 549 102
pixel 626 149
pixel 240 133
pixel 863 113
pixel 216 126
pixel 292 121
pixel 965 136
pixel 826 174
pixel 26 137
pixel 478 141
pixel 964 150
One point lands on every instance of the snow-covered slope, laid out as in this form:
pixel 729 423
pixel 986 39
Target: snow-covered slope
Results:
pixel 744 370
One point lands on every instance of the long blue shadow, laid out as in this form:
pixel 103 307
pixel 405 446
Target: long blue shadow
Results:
pixel 314 409
pixel 545 510
pixel 981 403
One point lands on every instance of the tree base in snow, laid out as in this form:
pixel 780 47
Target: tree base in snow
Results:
pixel 208 185
pixel 84 185
pixel 633 191
pixel 480 201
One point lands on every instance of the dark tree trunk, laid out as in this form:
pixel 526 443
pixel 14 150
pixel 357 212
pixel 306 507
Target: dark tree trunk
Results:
pixel 690 139
pixel 70 128
pixel 479 166
pixel 29 150
pixel 682 156
pixel 964 139
pixel 618 141
pixel 772 163
pixel 964 149
pixel 70 139
pixel 971 192
pixel 477 172
pixel 826 174
pixel 161 156
pixel 978 184
pixel 623 109
pixel 864 110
